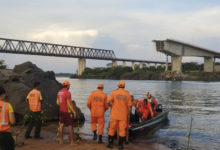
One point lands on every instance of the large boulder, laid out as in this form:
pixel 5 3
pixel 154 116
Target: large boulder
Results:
pixel 18 83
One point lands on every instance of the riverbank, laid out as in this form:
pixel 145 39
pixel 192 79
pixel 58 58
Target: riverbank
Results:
pixel 49 142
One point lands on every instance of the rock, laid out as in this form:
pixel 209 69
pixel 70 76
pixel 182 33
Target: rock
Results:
pixel 19 81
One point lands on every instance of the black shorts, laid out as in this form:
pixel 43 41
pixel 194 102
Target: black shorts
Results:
pixel 6 141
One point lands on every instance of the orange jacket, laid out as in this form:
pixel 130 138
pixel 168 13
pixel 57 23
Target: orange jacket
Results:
pixel 153 100
pixel 141 106
pixel 5 109
pixel 34 98
pixel 97 103
pixel 121 101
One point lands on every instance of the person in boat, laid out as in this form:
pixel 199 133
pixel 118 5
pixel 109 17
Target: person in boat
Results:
pixel 153 101
pixel 145 109
pixel 134 117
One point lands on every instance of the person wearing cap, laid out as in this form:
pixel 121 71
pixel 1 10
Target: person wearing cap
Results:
pixel 67 111
pixel 144 109
pixel 34 99
pixel 97 103
pixel 7 118
pixel 152 100
pixel 120 101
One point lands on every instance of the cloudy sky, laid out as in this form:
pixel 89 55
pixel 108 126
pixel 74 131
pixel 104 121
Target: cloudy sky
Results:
pixel 126 26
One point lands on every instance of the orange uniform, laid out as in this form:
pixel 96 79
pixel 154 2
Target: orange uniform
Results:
pixel 145 109
pixel 121 102
pixel 34 99
pixel 153 102
pixel 5 109
pixel 97 103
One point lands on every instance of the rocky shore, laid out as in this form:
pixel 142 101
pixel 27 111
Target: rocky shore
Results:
pixel 19 81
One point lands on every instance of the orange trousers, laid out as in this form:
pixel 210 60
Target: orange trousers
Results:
pixel 100 121
pixel 145 113
pixel 119 125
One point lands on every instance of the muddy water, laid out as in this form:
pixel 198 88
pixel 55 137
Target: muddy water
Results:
pixel 201 100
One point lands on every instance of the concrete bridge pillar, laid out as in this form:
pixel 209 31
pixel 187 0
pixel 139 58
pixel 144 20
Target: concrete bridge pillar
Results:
pixel 124 64
pixel 148 65
pixel 133 65
pixel 208 64
pixel 166 67
pixel 141 65
pixel 176 64
pixel 81 66
pixel 155 66
pixel 114 63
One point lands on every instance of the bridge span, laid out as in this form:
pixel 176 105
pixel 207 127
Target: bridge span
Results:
pixel 14 46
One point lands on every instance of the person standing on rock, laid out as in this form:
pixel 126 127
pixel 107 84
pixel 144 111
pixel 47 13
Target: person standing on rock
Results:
pixel 97 103
pixel 6 118
pixel 66 110
pixel 34 100
pixel 120 101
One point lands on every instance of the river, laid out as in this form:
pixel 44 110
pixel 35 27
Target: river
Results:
pixel 201 100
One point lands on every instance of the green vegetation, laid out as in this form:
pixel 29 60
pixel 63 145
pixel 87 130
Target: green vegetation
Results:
pixel 123 73
pixel 64 74
pixel 192 66
pixel 2 64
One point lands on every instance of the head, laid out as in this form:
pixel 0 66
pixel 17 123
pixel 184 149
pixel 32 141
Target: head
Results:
pixel 121 84
pixel 37 85
pixel 148 95
pixel 145 100
pixel 100 86
pixel 66 84
pixel 2 93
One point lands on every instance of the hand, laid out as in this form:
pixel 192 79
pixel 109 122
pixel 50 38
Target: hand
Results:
pixel 74 115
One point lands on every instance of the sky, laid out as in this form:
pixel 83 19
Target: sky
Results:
pixel 125 26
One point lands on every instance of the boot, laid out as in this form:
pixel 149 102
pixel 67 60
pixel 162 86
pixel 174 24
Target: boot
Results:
pixel 94 135
pixel 110 141
pixel 100 139
pixel 121 143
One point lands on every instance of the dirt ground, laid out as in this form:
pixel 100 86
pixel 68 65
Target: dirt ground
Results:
pixel 49 142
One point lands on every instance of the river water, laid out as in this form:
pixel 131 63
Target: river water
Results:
pixel 201 100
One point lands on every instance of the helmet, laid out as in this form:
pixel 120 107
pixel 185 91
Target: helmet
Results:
pixel 100 86
pixel 148 95
pixel 121 84
pixel 66 83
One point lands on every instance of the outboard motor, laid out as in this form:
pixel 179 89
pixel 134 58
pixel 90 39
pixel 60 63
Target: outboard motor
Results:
pixel 159 108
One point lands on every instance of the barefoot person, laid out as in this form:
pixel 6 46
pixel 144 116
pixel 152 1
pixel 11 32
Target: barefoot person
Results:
pixel 97 103
pixel 120 100
pixel 6 118
pixel 66 111
pixel 34 100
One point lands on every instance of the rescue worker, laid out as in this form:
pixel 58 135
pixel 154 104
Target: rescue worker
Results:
pixel 66 111
pixel 7 118
pixel 134 118
pixel 120 101
pixel 145 109
pixel 97 103
pixel 34 100
pixel 152 100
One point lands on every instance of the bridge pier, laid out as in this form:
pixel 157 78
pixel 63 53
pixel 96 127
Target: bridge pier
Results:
pixel 176 64
pixel 124 64
pixel 133 65
pixel 208 64
pixel 166 67
pixel 141 65
pixel 148 65
pixel 114 63
pixel 81 66
pixel 155 66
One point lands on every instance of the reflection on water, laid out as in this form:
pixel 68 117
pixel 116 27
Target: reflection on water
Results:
pixel 201 100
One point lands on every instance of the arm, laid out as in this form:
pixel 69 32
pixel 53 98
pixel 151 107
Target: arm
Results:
pixel 150 109
pixel 110 99
pixel 89 101
pixel 70 105
pixel 27 98
pixel 11 115
pixel 106 104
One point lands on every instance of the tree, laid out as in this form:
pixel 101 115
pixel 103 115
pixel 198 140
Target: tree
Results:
pixel 2 64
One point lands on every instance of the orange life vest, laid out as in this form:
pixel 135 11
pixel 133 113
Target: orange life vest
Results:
pixel 4 117
pixel 34 99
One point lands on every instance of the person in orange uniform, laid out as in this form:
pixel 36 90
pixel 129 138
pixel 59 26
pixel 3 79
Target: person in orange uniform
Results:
pixel 7 118
pixel 66 111
pixel 34 100
pixel 145 109
pixel 153 101
pixel 120 101
pixel 97 103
